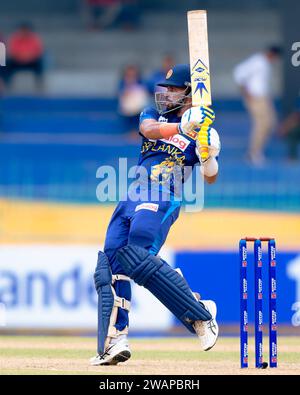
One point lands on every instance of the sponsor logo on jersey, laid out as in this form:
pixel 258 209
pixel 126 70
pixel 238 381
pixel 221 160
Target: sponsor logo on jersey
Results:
pixel 178 141
pixel 147 206
pixel 162 119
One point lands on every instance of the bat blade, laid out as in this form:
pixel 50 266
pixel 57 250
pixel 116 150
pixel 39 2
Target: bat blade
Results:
pixel 199 57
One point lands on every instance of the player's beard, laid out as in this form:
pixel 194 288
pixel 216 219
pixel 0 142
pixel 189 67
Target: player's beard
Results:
pixel 167 102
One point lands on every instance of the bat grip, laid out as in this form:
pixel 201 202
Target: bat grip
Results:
pixel 204 153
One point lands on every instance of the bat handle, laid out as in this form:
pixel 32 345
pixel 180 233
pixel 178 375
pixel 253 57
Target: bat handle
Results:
pixel 204 153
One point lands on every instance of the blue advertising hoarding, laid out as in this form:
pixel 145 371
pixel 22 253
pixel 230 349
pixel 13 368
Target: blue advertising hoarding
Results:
pixel 215 275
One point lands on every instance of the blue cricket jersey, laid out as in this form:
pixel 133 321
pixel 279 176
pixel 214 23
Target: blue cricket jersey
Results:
pixel 160 157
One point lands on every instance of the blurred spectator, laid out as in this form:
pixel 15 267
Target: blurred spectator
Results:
pixel 253 76
pixel 103 13
pixel 2 38
pixel 25 52
pixel 290 129
pixel 133 97
pixel 159 75
pixel 2 69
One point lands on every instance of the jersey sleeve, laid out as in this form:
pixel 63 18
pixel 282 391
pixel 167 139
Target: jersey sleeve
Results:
pixel 148 113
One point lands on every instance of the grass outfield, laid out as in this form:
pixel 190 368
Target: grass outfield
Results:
pixel 70 355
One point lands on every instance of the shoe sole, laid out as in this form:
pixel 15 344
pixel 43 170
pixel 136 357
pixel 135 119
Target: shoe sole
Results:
pixel 214 315
pixel 122 357
pixel 214 342
pixel 207 349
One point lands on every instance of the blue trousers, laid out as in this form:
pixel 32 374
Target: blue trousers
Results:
pixel 145 224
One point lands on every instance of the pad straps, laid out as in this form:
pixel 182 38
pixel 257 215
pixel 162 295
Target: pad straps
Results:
pixel 119 277
pixel 119 302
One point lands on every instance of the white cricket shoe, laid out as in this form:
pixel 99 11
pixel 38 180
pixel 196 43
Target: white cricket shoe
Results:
pixel 208 331
pixel 115 353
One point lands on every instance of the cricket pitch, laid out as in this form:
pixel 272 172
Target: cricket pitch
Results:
pixel 161 356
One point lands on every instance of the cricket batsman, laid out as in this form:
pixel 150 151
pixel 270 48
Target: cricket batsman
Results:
pixel 173 135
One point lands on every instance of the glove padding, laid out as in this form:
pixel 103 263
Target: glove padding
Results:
pixel 196 118
pixel 210 139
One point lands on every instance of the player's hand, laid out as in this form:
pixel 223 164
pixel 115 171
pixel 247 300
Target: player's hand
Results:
pixel 200 114
pixel 210 140
pixel 195 120
pixel 190 128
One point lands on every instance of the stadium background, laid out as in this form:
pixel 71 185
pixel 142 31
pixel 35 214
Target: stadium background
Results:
pixel 51 224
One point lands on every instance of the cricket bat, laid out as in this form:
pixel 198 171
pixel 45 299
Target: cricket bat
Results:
pixel 199 62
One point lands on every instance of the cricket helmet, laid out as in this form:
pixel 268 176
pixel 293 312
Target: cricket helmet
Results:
pixel 179 76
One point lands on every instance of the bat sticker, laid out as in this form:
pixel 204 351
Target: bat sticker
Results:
pixel 200 78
